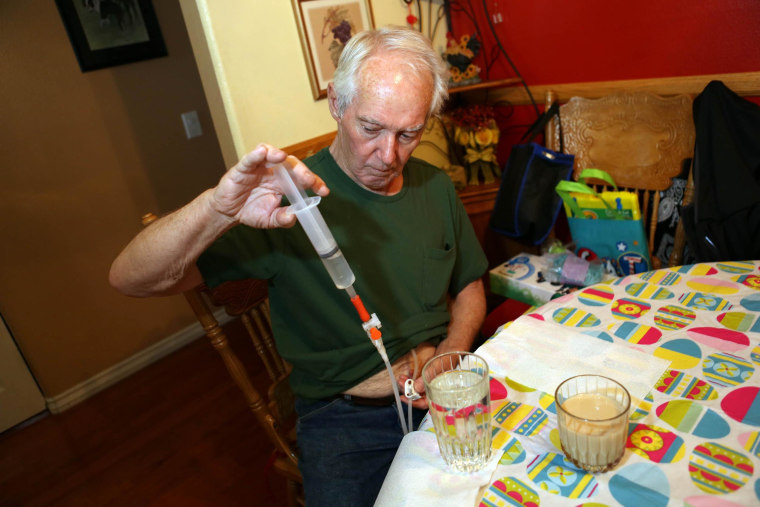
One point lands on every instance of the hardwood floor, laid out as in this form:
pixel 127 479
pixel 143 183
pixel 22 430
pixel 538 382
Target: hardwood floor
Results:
pixel 176 433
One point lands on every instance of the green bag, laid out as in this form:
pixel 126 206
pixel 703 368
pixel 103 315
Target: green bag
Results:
pixel 615 236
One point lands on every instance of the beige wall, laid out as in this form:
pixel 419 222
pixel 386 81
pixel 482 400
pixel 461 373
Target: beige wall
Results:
pixel 83 155
pixel 253 70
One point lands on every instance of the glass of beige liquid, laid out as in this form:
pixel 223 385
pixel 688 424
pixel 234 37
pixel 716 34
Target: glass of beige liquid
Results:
pixel 459 398
pixel 592 415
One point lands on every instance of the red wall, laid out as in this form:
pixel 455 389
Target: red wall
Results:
pixel 571 41
pixel 566 41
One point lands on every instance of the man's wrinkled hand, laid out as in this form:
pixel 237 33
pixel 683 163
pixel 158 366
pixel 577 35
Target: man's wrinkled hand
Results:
pixel 250 193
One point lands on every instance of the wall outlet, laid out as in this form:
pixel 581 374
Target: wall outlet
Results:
pixel 192 124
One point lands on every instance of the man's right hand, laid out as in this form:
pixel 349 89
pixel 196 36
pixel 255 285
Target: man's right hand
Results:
pixel 161 259
pixel 249 193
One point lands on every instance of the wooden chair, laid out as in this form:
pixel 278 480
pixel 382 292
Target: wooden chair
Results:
pixel 247 300
pixel 640 139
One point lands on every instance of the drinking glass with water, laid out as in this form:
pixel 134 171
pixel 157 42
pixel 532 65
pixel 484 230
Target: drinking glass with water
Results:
pixel 459 398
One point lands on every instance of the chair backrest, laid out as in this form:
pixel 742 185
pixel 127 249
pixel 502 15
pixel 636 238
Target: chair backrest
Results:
pixel 247 299
pixel 640 139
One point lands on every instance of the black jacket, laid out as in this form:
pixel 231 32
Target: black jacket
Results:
pixel 723 223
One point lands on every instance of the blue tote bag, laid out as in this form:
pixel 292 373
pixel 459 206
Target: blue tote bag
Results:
pixel 616 237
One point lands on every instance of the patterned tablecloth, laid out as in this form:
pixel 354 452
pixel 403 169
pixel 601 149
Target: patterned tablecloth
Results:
pixel 694 440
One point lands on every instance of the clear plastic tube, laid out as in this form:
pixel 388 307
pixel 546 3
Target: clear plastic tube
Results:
pixel 381 349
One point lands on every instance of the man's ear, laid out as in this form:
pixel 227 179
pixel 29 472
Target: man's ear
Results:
pixel 332 101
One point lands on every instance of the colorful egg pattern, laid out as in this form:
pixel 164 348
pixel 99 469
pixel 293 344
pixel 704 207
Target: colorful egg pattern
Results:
pixel 655 444
pixel 743 405
pixel 726 370
pixel 751 303
pixel 724 340
pixel 736 267
pixel 640 484
pixel 662 277
pixel 552 473
pixel 599 334
pixel 636 333
pixel 708 501
pixel 648 291
pixel 755 355
pixel 703 301
pixel 718 470
pixel 724 304
pixel 547 402
pixel 692 417
pixel 596 296
pixel 682 353
pixel 513 451
pixel 518 386
pixel 498 390
pixel 521 418
pixel 509 491
pixel 682 385
pixel 672 317
pixel 696 269
pixel 751 281
pixel 740 321
pixel 643 408
pixel 574 317
pixel 712 285
pixel 629 308
pixel 750 442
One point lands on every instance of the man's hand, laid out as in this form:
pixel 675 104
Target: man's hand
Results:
pixel 161 259
pixel 250 192
pixel 424 353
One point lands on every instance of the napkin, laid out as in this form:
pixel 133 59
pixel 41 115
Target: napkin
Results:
pixel 419 476
pixel 541 355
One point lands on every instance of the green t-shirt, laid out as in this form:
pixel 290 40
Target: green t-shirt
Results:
pixel 408 252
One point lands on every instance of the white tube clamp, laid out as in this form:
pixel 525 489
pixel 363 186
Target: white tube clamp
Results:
pixel 372 322
pixel 409 391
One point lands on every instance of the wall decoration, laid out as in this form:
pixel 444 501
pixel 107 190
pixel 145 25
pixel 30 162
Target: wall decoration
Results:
pixel 111 32
pixel 325 26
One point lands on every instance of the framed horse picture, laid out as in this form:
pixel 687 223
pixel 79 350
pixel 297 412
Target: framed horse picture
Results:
pixel 111 32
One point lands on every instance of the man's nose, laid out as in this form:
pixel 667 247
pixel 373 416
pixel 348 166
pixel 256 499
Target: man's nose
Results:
pixel 388 147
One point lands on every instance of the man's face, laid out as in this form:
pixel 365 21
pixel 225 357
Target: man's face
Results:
pixel 383 125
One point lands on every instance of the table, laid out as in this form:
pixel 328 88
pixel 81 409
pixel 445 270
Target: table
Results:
pixel 694 439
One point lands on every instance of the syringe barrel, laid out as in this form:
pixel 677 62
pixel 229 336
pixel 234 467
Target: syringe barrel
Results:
pixel 308 215
pixel 314 226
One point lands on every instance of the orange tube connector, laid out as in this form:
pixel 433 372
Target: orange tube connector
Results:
pixel 370 323
pixel 363 313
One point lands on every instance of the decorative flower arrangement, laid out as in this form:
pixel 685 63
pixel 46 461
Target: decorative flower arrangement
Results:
pixel 472 134
pixel 459 55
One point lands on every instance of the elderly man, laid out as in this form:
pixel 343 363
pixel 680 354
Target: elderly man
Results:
pixel 399 224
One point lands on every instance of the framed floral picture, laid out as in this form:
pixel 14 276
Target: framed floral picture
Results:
pixel 324 27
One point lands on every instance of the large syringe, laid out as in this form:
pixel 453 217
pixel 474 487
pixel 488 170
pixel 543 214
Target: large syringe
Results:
pixel 308 215
pixel 305 209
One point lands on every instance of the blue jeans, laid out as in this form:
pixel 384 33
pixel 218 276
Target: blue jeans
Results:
pixel 345 450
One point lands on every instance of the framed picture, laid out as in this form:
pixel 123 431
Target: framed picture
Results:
pixel 325 26
pixel 111 32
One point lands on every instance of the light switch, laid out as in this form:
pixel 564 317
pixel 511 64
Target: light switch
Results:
pixel 192 124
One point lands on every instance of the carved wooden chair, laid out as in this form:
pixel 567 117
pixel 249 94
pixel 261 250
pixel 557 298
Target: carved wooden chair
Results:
pixel 275 413
pixel 640 139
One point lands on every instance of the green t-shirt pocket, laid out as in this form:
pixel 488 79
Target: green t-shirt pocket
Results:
pixel 437 267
